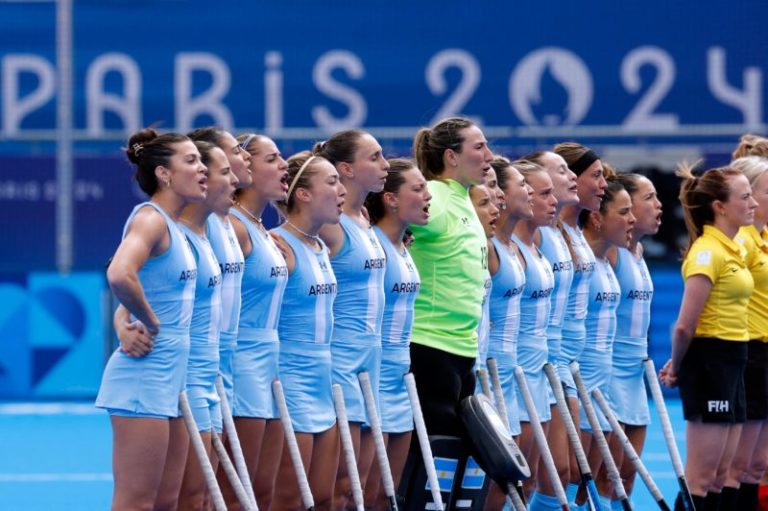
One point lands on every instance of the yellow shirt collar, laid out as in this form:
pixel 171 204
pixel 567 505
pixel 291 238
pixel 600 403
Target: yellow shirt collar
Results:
pixel 730 244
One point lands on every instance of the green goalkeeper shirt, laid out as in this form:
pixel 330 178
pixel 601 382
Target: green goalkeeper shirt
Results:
pixel 451 253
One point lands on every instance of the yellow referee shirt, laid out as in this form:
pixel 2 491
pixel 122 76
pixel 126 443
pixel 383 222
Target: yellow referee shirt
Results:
pixel 722 261
pixel 756 244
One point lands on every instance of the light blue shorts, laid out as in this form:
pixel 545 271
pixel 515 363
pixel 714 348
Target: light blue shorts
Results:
pixel 150 385
pixel 349 359
pixel 570 350
pixel 506 363
pixel 256 366
pixel 202 369
pixel 595 369
pixel 205 406
pixel 538 386
pixel 305 372
pixel 626 392
pixel 116 412
pixel 227 346
pixel 554 340
pixel 396 413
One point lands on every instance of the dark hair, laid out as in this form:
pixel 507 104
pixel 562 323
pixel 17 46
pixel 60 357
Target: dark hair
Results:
pixel 340 147
pixel 612 188
pixel 210 134
pixel 205 149
pixel 295 163
pixel 500 164
pixel 697 195
pixel 572 152
pixel 629 180
pixel 147 149
pixel 374 203
pixel 751 145
pixel 430 145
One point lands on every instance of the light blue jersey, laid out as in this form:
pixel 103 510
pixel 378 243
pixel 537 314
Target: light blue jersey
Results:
pixel 604 299
pixel 595 360
pixel 626 389
pixel 504 307
pixel 227 250
pixel 206 314
pixel 256 358
pixel 307 312
pixel 169 279
pixel 359 268
pixel 574 328
pixel 149 386
pixel 305 326
pixel 484 326
pixel 401 286
pixel 556 251
pixel 504 314
pixel 264 280
pixel 634 312
pixel 534 309
pixel 203 365
pixel 534 319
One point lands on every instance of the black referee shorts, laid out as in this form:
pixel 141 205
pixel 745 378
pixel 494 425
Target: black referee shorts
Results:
pixel 711 381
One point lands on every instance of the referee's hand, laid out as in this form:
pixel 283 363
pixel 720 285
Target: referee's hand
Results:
pixel 667 376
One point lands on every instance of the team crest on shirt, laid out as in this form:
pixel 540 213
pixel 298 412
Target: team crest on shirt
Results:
pixel 704 257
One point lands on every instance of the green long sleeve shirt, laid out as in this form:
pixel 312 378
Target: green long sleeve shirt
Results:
pixel 451 253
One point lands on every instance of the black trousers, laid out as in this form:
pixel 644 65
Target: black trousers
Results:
pixel 443 380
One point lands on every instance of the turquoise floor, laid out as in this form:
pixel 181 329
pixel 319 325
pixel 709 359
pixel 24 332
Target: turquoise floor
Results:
pixel 58 456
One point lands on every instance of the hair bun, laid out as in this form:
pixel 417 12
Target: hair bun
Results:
pixel 137 142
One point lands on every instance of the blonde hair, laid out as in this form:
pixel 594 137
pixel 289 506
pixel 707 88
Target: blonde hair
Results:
pixel 751 166
pixel 751 145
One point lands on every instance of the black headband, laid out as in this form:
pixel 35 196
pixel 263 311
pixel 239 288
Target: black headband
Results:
pixel 584 162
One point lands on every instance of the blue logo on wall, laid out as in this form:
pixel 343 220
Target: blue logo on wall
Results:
pixel 65 319
pixel 54 328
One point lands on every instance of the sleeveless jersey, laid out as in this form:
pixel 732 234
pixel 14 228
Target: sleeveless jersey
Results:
pixel 504 307
pixel 555 250
pixel 359 268
pixel 307 311
pixel 206 313
pixel 604 298
pixel 265 277
pixel 633 315
pixel 401 285
pixel 534 309
pixel 484 326
pixel 227 250
pixel 169 279
pixel 576 308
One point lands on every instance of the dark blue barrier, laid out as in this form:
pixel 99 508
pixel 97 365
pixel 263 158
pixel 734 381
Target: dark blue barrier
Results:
pixel 54 330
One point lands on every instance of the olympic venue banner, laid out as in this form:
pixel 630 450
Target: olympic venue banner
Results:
pixel 652 65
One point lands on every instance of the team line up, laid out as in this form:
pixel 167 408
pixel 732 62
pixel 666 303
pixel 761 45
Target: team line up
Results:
pixel 432 265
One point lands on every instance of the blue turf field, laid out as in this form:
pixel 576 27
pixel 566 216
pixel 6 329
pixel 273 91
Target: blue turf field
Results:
pixel 58 456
